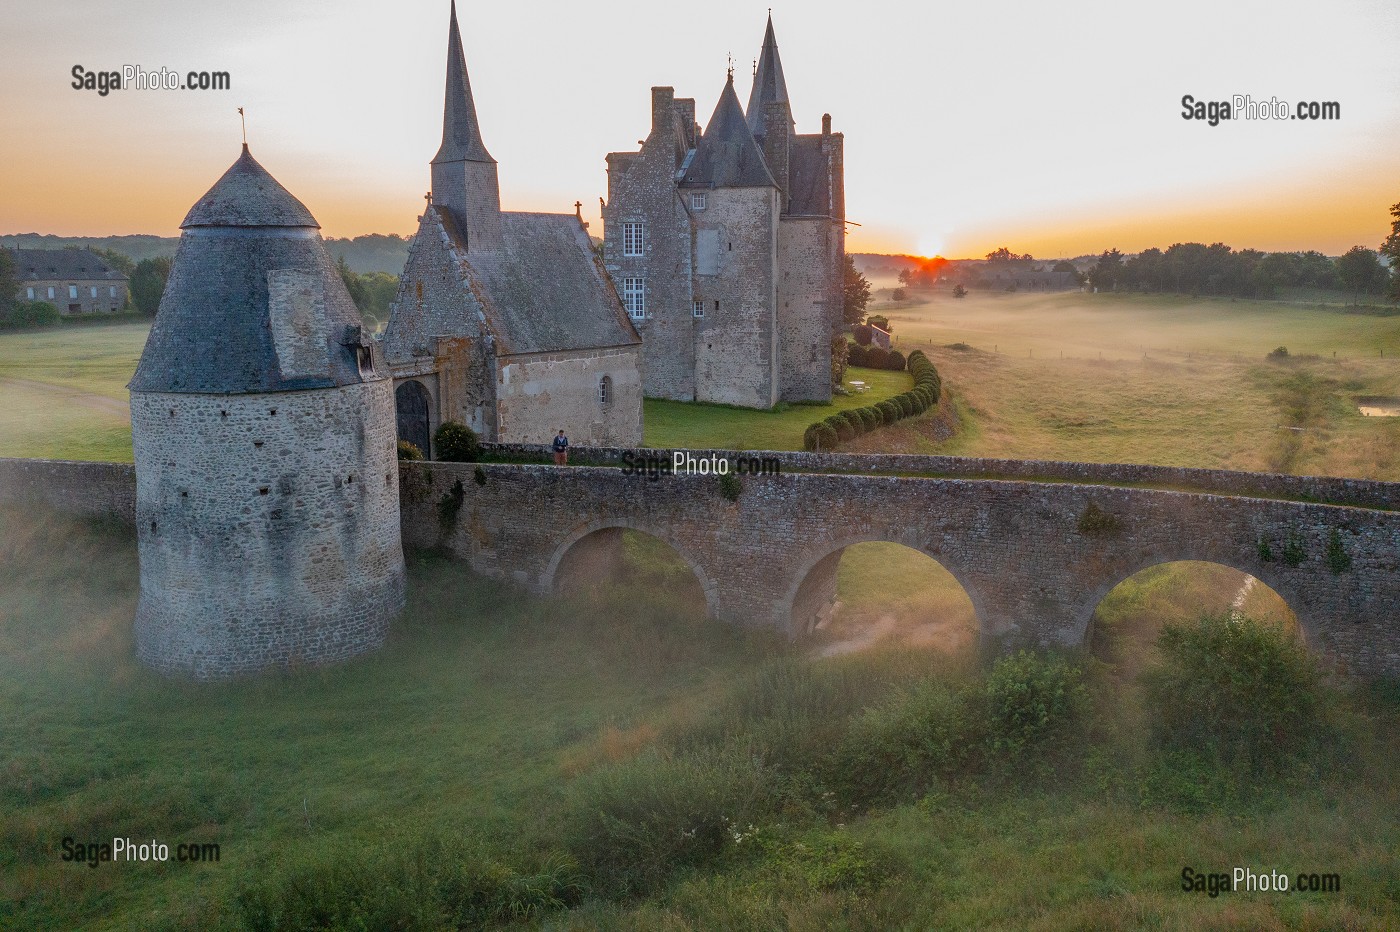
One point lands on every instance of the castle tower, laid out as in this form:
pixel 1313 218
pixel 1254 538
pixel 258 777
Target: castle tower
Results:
pixel 464 173
pixel 769 87
pixel 267 494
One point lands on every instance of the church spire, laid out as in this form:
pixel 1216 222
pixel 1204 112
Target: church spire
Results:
pixel 461 132
pixel 465 185
pixel 769 85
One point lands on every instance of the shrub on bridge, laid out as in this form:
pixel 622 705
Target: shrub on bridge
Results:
pixel 456 443
pixel 1236 695
pixel 409 451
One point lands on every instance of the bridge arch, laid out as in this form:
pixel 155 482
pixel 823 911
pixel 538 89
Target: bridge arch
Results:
pixel 549 579
pixel 1264 573
pixel 813 578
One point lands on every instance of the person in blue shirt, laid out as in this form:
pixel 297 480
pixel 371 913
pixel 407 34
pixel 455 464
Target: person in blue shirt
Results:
pixel 561 449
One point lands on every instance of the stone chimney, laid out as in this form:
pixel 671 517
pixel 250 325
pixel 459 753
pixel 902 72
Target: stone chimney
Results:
pixel 663 103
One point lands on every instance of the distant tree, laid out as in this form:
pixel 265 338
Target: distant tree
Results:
pixel 147 283
pixel 959 291
pixel 856 293
pixel 1002 254
pixel 861 333
pixel 352 283
pixel 119 261
pixel 9 284
pixel 907 276
pixel 899 294
pixel 881 321
pixel 1391 250
pixel 1361 272
pixel 1106 271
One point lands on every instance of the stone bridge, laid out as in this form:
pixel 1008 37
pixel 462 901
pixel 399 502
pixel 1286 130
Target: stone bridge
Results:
pixel 1036 546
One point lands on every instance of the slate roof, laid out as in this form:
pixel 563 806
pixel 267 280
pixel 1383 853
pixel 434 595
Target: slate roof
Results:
pixel 809 178
pixel 544 290
pixel 769 85
pixel 214 331
pixel 461 131
pixel 728 155
pixel 67 264
pixel 247 195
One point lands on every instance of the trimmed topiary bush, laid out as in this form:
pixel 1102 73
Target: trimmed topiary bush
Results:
pixel 456 443
pixel 869 418
pixel 889 411
pixel 875 357
pixel 894 360
pixel 855 355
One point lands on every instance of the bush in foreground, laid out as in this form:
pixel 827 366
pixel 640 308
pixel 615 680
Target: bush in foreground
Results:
pixel 1236 694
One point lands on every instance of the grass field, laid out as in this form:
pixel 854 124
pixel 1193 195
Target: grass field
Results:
pixel 494 722
pixel 1203 394
pixel 677 424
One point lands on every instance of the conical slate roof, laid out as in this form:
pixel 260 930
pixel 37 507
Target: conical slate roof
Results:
pixel 769 85
pixel 728 156
pixel 254 303
pixel 247 195
pixel 461 132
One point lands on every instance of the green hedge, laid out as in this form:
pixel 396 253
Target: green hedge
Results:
pixel 847 425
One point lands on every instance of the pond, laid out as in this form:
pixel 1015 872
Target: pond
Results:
pixel 1378 406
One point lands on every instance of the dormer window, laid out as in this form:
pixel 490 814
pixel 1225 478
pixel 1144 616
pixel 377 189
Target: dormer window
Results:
pixel 699 200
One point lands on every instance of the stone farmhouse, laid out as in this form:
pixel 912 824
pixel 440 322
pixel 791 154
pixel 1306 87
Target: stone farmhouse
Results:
pixel 76 281
pixel 728 246
pixel 505 321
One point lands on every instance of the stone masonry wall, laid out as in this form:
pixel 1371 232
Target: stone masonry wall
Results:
pixel 100 490
pixel 540 393
pixel 736 348
pixel 805 314
pixel 642 189
pixel 1033 577
pixel 267 528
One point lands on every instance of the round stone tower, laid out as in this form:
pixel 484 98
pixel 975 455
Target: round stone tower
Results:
pixel 262 417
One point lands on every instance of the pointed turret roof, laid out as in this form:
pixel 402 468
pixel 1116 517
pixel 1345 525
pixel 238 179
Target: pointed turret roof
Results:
pixel 461 132
pixel 769 85
pixel 728 156
pixel 254 303
pixel 247 196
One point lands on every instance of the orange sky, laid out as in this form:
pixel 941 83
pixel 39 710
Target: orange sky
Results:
pixel 1056 131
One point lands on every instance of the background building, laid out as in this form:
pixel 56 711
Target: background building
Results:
pixel 728 246
pixel 76 281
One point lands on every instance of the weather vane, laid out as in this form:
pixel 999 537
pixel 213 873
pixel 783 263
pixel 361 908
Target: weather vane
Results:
pixel 244 122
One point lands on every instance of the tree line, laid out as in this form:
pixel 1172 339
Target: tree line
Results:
pixel 1195 268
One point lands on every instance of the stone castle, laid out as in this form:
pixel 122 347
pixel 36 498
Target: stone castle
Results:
pixel 505 321
pixel 265 421
pixel 728 246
